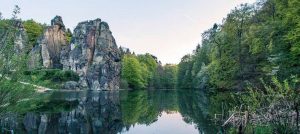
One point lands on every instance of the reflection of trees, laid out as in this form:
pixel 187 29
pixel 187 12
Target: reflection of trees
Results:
pixel 144 107
pixel 109 112
pixel 221 102
pixel 136 109
pixel 193 106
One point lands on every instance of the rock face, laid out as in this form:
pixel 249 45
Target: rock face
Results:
pixel 35 58
pixel 21 37
pixel 52 42
pixel 50 45
pixel 94 55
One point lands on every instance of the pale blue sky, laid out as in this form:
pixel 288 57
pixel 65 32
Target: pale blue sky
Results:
pixel 168 29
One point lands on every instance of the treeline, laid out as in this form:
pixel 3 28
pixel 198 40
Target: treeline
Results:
pixel 254 42
pixel 145 71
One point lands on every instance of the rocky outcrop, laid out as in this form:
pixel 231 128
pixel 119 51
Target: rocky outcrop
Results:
pixel 94 55
pixel 35 58
pixel 50 45
pixel 21 38
pixel 52 42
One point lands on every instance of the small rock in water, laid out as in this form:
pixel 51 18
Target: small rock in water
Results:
pixel 71 85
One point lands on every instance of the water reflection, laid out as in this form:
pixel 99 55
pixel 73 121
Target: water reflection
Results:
pixel 112 112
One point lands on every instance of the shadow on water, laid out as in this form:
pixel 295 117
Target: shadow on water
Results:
pixel 112 112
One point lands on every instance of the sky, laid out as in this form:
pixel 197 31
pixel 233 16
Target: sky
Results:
pixel 168 29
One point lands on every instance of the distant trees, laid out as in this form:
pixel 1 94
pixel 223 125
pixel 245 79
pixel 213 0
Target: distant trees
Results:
pixel 144 71
pixel 254 41
pixel 184 79
pixel 169 76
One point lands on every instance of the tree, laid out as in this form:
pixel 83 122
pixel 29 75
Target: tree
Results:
pixel 132 72
pixel 16 11
pixel 34 30
pixel 169 76
pixel 184 76
pixel 149 64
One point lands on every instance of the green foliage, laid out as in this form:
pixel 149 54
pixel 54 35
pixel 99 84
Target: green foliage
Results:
pixel 144 71
pixel 135 108
pixel 169 76
pixel 17 97
pixel 51 78
pixel 132 72
pixel 271 93
pixel 144 107
pixel 69 36
pixel 278 99
pixel 254 41
pixel 184 76
pixel 34 30
pixel 149 64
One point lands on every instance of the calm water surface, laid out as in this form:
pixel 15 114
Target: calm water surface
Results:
pixel 122 112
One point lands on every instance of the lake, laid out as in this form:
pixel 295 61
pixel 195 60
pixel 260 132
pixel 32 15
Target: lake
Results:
pixel 119 112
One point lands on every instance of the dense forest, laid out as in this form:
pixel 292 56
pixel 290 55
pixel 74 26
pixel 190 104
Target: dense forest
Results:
pixel 145 71
pixel 254 42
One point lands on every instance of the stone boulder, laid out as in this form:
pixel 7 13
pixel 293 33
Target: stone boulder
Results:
pixel 94 55
pixel 71 85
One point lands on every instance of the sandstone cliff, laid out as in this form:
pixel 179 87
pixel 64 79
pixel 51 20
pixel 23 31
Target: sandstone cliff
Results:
pixel 50 44
pixel 94 55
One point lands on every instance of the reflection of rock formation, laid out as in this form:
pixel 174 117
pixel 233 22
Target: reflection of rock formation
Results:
pixel 97 112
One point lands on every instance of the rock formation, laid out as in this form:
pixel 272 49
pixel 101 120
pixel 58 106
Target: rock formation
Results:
pixel 94 55
pixel 49 46
pixel 21 37
pixel 52 42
